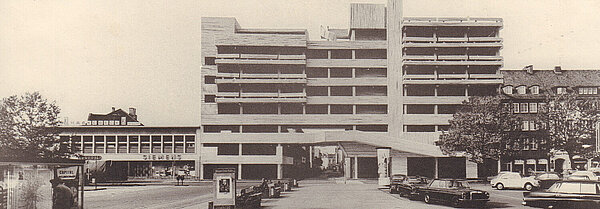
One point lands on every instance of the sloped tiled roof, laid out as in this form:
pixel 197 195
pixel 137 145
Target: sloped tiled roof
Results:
pixel 114 115
pixel 548 79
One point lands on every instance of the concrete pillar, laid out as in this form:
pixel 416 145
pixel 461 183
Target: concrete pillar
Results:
pixel 239 175
pixel 347 168
pixel 355 176
pixel 436 169
pixel 279 171
pixel 310 157
pixel 200 170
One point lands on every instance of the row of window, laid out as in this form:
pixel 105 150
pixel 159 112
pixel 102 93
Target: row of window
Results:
pixel 288 128
pixel 132 143
pixel 521 90
pixel 527 107
pixel 346 54
pixel 536 90
pixel 246 149
pixel 297 108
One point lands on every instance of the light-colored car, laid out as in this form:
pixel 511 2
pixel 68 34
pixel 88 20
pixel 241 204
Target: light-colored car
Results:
pixel 514 180
pixel 590 174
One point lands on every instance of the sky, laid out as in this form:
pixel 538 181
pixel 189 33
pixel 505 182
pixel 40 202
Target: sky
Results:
pixel 89 56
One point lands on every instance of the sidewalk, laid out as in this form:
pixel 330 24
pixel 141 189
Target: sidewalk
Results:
pixel 337 194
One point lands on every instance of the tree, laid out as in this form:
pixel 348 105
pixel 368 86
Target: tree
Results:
pixel 483 128
pixel 569 122
pixel 28 128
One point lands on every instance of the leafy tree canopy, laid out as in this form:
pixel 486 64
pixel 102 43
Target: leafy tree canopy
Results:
pixel 481 129
pixel 28 128
pixel 570 122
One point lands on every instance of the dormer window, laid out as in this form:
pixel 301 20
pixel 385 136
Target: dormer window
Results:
pixel 507 89
pixel 521 89
pixel 561 90
pixel 588 90
pixel 534 90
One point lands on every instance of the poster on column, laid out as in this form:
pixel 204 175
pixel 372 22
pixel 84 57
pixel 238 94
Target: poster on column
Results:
pixel 383 165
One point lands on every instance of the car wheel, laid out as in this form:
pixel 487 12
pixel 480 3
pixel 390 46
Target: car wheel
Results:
pixel 427 199
pixel 392 191
pixel 500 186
pixel 455 202
pixel 528 187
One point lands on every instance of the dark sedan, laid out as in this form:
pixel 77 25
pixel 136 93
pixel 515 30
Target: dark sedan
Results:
pixel 566 194
pixel 454 191
pixel 395 180
pixel 408 187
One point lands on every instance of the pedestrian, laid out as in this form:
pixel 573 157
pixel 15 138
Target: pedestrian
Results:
pixel 62 197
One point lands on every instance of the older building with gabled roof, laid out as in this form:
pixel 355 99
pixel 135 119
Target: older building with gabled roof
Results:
pixel 527 91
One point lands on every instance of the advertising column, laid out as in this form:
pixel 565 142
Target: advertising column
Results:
pixel 384 165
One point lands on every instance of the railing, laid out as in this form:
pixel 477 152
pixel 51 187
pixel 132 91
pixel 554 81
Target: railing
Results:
pixel 450 20
pixel 451 76
pixel 451 39
pixel 451 57
pixel 262 56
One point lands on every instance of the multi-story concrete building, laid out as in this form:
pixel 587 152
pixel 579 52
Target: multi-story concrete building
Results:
pixel 526 91
pixel 385 81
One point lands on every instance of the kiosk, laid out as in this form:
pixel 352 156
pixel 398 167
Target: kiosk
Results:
pixel 224 188
pixel 41 183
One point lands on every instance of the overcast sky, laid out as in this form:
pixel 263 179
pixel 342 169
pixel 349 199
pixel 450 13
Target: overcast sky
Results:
pixel 92 55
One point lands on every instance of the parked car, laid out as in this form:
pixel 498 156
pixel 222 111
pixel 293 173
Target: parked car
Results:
pixel 514 180
pixel 590 174
pixel 454 191
pixel 490 178
pixel 394 181
pixel 566 194
pixel 409 186
pixel 547 179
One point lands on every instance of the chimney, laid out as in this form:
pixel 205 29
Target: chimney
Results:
pixel 558 69
pixel 113 109
pixel 529 69
pixel 132 113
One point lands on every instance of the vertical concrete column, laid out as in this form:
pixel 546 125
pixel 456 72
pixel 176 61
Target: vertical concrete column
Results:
pixel 200 168
pixel 240 149
pixel 239 171
pixel 105 143
pixel 355 170
pixel 162 143
pixel 140 144
pixel 279 171
pixel 128 141
pixel 310 157
pixel 394 66
pixel 93 144
pixel 436 168
pixel 347 166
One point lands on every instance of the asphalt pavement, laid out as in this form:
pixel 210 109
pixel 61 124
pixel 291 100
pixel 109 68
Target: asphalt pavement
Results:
pixel 333 193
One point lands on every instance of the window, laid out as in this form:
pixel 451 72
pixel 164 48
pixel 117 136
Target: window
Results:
pixel 209 79
pixel 588 90
pixel 521 89
pixel 532 126
pixel 341 91
pixel 524 108
pixel 209 98
pixel 316 91
pixel 534 90
pixel 419 128
pixel 561 90
pixel 341 109
pixel 533 107
pixel 209 61
pixel 525 126
pixel 507 89
pixel 534 144
pixel 516 107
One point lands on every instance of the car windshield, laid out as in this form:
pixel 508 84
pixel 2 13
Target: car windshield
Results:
pixel 460 184
pixel 416 181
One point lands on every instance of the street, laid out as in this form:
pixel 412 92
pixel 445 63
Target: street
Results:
pixel 311 194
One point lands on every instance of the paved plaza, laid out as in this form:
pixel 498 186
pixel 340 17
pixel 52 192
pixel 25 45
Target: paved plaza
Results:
pixel 332 193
